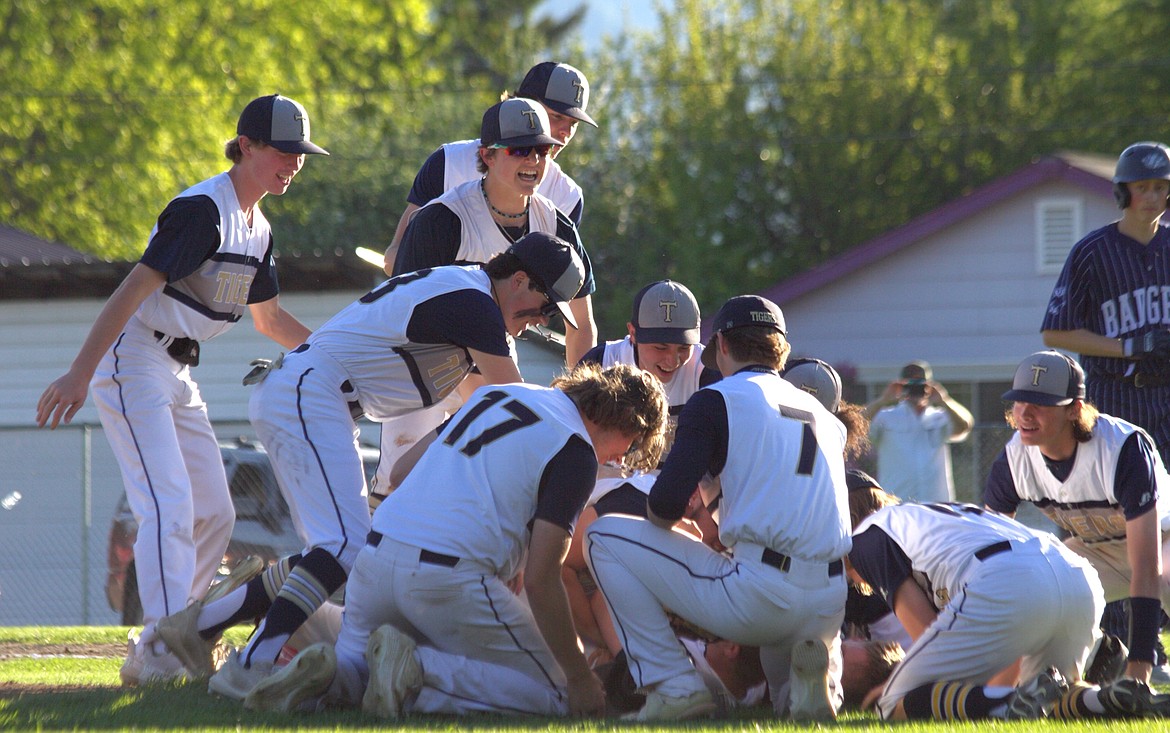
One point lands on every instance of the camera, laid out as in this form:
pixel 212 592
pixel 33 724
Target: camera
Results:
pixel 914 389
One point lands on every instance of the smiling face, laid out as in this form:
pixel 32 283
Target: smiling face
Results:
pixel 522 306
pixel 610 445
pixel 272 170
pixel 563 128
pixel 512 175
pixel 661 360
pixel 1048 428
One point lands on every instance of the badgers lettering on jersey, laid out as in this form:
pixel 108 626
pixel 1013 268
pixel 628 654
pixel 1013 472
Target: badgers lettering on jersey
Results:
pixel 1135 309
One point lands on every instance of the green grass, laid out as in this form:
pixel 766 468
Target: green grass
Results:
pixel 95 702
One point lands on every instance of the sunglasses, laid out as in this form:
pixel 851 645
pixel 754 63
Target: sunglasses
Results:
pixel 524 152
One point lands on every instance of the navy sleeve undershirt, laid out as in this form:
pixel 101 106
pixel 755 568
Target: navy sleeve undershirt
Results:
pixel 880 562
pixel 431 240
pixel 188 234
pixel 467 318
pixel 1134 485
pixel 566 484
pixel 428 182
pixel 700 447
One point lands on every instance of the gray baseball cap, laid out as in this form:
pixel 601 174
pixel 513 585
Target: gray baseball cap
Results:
pixel 816 377
pixel 555 266
pixel 515 123
pixel 559 87
pixel 665 312
pixel 1047 378
pixel 741 311
pixel 280 122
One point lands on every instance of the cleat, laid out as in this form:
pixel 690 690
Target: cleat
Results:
pixel 234 680
pixel 1034 699
pixel 306 677
pixel 1129 698
pixel 699 704
pixel 180 632
pixel 808 695
pixel 145 666
pixel 395 673
pixel 1107 660
pixel 245 570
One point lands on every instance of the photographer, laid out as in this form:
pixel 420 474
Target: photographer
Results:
pixel 911 426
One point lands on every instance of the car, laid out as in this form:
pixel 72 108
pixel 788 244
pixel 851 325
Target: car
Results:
pixel 263 526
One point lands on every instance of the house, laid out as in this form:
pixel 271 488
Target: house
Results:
pixel 963 286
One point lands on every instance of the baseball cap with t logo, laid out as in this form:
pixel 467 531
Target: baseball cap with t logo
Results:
pixel 515 123
pixel 280 122
pixel 665 312
pixel 1047 378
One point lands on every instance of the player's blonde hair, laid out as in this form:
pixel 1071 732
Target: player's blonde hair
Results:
pixel 622 398
pixel 1083 416
pixel 880 659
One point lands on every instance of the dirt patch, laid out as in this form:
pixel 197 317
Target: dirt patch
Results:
pixel 16 650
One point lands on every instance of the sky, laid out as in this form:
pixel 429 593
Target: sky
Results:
pixel 604 17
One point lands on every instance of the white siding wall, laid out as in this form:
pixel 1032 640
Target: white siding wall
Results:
pixel 969 299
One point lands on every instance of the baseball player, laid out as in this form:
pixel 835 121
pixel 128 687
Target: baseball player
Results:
pixel 209 258
pixel 779 455
pixel 1109 303
pixel 477 219
pixel 822 381
pixel 564 93
pixel 404 345
pixel 1097 477
pixel 976 591
pixel 431 624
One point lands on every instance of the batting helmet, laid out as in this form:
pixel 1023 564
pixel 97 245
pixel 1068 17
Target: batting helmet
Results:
pixel 1140 162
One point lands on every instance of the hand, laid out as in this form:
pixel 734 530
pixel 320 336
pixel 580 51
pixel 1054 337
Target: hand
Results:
pixel 1153 344
pixel 586 696
pixel 62 399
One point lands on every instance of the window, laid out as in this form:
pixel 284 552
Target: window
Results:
pixel 1058 227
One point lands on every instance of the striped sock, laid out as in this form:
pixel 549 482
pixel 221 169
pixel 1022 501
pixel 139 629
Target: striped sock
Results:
pixel 247 603
pixel 951 701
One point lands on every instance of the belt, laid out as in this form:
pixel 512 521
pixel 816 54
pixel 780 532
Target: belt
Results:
pixel 374 538
pixel 993 549
pixel 182 350
pixel 1141 381
pixel 782 562
pixel 355 406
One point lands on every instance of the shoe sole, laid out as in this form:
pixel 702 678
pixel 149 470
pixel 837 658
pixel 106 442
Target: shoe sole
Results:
pixel 390 655
pixel 174 634
pixel 809 692
pixel 307 676
pixel 1050 687
pixel 245 570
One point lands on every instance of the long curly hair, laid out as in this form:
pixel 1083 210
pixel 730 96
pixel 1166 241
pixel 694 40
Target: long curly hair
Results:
pixel 622 398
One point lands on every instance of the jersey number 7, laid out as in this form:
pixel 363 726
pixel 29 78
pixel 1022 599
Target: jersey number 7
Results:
pixel 522 417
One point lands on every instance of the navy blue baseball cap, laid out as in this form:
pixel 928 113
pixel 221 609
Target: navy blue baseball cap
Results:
pixel 559 87
pixel 280 122
pixel 741 311
pixel 515 123
pixel 555 266
pixel 1047 378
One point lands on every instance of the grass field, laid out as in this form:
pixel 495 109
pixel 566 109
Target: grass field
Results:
pixel 66 678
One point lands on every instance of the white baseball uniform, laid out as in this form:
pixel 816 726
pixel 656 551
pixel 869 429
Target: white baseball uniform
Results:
pixel 1002 592
pixel 446 542
pixel 779 455
pixel 149 404
pixel 399 348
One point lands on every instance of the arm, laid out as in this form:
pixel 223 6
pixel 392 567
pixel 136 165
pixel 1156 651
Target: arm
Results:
pixel 496 369
pixel 961 419
pixel 888 398
pixel 1144 544
pixel 550 609
pixel 913 608
pixel 65 396
pixel 273 321
pixel 392 250
pixel 1083 341
pixel 580 340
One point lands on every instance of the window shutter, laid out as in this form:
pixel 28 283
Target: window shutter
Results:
pixel 1058 227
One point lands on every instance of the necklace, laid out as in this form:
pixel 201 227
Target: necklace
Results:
pixel 497 211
